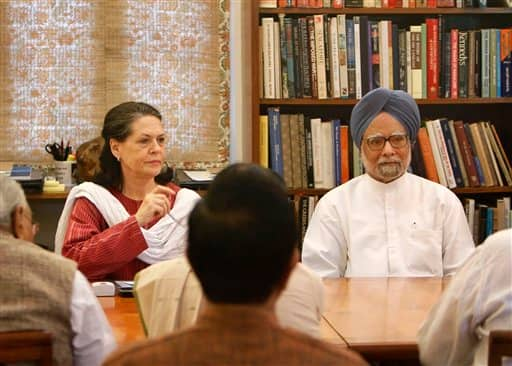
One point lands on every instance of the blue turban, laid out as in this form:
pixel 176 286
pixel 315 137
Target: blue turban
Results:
pixel 397 103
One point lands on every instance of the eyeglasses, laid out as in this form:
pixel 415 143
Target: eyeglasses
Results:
pixel 397 141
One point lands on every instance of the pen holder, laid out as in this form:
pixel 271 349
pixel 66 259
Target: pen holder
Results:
pixel 63 172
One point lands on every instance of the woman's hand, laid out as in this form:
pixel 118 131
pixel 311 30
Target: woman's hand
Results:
pixel 155 205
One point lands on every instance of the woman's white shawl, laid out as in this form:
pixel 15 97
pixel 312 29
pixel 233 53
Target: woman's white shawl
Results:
pixel 166 239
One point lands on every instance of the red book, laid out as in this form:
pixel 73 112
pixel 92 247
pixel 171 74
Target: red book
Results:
pixel 303 3
pixel 454 62
pixel 431 3
pixel 316 3
pixel 432 57
pixel 338 3
pixel 467 154
pixel 345 158
pixel 428 155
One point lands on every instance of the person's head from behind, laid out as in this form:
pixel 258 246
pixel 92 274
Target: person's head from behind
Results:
pixel 15 213
pixel 242 236
pixel 384 125
pixel 88 159
pixel 135 143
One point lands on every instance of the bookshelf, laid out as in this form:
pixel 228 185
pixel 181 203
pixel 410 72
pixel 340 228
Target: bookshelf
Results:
pixel 496 109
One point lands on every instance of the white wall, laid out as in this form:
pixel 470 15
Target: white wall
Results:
pixel 240 100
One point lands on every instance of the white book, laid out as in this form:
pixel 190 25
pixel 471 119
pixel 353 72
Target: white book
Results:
pixel 327 155
pixel 357 49
pixel 435 152
pixel 443 153
pixel 334 58
pixel 469 207
pixel 269 81
pixel 408 61
pixel 277 61
pixel 416 71
pixel 383 54
pixel 311 206
pixel 342 54
pixel 320 57
pixel 316 134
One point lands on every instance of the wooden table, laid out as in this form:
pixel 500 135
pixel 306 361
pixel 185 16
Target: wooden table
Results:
pixel 123 317
pixel 379 317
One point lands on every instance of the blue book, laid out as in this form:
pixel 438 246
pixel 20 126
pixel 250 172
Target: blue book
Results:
pixel 276 149
pixel 336 124
pixel 450 146
pixel 290 62
pixel 489 225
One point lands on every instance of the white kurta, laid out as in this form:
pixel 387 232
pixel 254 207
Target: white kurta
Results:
pixel 408 227
pixel 478 300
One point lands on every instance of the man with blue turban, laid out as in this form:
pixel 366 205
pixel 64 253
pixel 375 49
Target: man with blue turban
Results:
pixel 387 222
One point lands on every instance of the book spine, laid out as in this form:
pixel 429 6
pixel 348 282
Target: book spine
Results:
pixel 477 76
pixel 432 58
pixel 351 59
pixel 402 49
pixel 264 141
pixel 436 152
pixel 334 55
pixel 466 153
pixel 476 159
pixel 284 59
pixel 450 147
pixel 295 147
pixel 463 64
pixel 458 153
pixel 345 154
pixel 485 63
pixel 342 33
pixel 312 56
pixel 428 156
pixel 337 151
pixel 302 145
pixel 454 61
pixel 443 152
pixel 320 57
pixel 290 62
pixel 304 56
pixel 471 64
pixel 308 137
pixel 297 64
pixel 276 151
pixel 286 146
pixel 268 58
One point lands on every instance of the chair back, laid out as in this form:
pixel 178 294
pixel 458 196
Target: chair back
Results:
pixel 500 345
pixel 33 346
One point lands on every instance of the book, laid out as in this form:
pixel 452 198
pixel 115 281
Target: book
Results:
pixel 432 58
pixel 450 147
pixel 320 57
pixel 263 161
pixel 276 151
pixel 466 153
pixel 458 154
pixel 308 138
pixel 463 50
pixel 427 155
pixel 436 153
pixel 295 142
pixel 268 58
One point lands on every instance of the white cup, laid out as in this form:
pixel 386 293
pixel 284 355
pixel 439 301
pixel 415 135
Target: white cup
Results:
pixel 63 172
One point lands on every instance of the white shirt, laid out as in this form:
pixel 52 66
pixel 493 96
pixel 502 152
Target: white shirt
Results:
pixel 477 300
pixel 92 338
pixel 409 227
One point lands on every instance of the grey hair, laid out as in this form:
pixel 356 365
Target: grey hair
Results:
pixel 11 196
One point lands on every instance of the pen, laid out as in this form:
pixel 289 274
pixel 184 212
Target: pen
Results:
pixel 62 149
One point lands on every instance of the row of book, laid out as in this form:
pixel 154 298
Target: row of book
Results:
pixel 310 152
pixel 322 56
pixel 457 154
pixel 307 152
pixel 380 3
pixel 484 219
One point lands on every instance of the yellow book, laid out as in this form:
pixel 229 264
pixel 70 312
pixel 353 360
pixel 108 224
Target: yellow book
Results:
pixel 264 141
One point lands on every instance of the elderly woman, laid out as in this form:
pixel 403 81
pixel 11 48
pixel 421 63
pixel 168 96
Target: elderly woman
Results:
pixel 126 220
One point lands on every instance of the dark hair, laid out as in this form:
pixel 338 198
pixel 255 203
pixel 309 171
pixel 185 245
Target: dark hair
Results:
pixel 117 125
pixel 242 235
